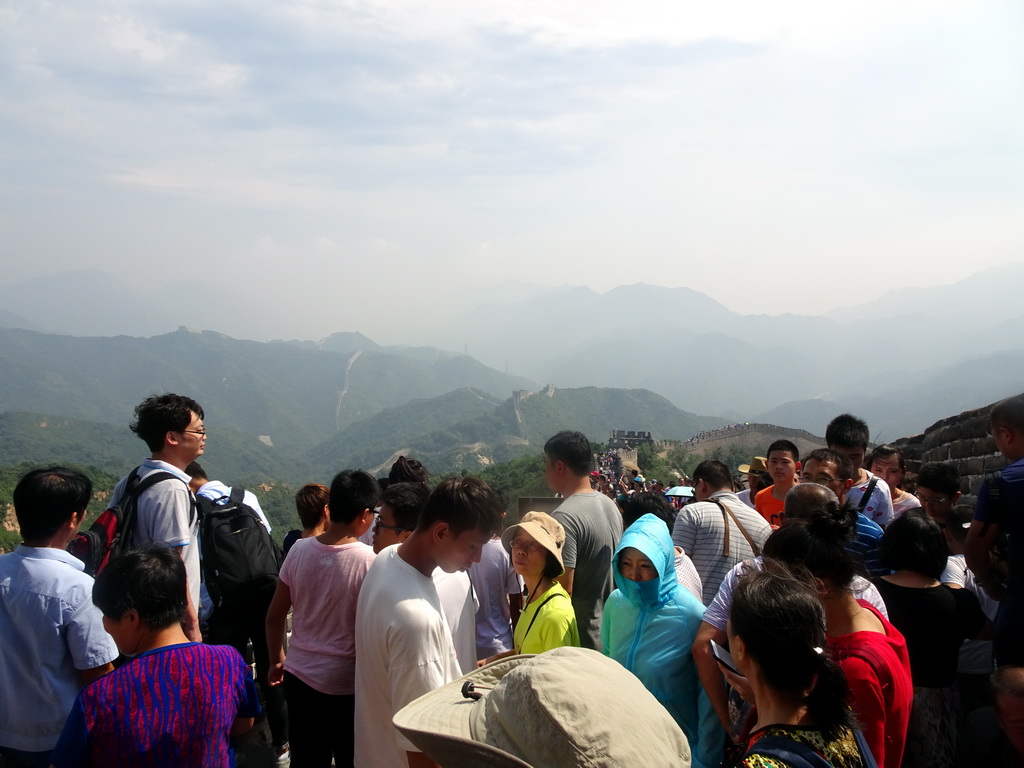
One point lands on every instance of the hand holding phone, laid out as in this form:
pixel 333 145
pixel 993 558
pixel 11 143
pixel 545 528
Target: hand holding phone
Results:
pixel 724 658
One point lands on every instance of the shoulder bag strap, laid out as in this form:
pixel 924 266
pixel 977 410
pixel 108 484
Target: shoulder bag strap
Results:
pixel 867 495
pixel 728 514
pixel 537 613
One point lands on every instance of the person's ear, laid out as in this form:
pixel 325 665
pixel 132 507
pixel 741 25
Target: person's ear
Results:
pixel 76 519
pixel 956 497
pixel 798 466
pixel 439 530
pixel 847 485
pixel 820 587
pixel 737 648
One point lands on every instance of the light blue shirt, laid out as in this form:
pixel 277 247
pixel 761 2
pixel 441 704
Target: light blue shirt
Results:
pixel 50 629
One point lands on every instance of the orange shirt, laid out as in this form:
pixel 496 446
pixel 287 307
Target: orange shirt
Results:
pixel 769 507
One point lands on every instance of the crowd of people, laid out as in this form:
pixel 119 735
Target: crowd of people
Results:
pixel 841 612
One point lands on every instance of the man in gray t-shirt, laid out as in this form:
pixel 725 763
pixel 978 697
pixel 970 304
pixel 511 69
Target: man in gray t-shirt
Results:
pixel 172 427
pixel 592 526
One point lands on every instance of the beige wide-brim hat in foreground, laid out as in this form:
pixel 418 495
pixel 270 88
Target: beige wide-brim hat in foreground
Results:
pixel 544 529
pixel 566 708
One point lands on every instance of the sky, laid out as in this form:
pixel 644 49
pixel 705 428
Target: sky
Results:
pixel 353 164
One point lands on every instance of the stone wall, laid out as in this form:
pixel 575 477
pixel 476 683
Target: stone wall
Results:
pixel 963 440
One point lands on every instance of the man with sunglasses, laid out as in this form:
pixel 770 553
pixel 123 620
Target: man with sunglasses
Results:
pixel 165 514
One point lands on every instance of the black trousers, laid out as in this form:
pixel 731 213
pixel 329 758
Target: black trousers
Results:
pixel 238 627
pixel 322 726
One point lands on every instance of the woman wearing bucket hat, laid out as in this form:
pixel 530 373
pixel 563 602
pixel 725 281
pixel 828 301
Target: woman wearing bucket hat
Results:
pixel 548 620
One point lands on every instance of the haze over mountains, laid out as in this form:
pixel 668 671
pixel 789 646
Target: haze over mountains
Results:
pixel 901 362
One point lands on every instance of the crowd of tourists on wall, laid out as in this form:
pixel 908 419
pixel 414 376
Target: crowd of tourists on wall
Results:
pixel 823 608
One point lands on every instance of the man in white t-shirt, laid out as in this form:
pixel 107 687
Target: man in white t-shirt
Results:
pixel 165 516
pixel 848 435
pixel 404 646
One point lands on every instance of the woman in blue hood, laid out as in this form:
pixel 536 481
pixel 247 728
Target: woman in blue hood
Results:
pixel 649 626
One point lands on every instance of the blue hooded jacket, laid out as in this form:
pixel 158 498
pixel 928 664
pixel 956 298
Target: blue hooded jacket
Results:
pixel 649 627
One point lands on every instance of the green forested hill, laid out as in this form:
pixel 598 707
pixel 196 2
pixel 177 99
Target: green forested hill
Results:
pixel 46 439
pixel 295 396
pixel 495 434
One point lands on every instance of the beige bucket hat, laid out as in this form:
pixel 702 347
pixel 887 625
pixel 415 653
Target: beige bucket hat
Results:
pixel 544 529
pixel 566 708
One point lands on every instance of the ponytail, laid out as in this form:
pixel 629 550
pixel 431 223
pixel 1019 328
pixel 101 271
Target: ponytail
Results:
pixel 827 700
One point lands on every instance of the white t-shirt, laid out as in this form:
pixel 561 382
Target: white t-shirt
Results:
pixel 324 581
pixel 717 613
pixel 879 507
pixel 403 650
pixel 975 655
pixel 459 604
pixel 909 501
pixel 494 579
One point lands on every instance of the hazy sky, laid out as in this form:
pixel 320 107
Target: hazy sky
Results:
pixel 366 153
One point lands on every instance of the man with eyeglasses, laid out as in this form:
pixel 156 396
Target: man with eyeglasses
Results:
pixel 832 469
pixel 399 508
pixel 165 515
pixel 938 490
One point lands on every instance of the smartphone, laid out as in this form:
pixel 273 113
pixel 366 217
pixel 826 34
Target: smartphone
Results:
pixel 724 658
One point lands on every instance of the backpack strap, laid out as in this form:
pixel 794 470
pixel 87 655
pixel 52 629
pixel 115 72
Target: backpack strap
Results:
pixel 867 495
pixel 866 756
pixel 237 495
pixel 134 489
pixel 793 753
pixel 727 515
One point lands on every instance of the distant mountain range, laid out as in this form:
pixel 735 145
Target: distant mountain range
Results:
pixel 901 362
pixel 295 411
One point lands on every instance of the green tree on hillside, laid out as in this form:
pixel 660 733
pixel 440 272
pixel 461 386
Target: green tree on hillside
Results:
pixel 516 478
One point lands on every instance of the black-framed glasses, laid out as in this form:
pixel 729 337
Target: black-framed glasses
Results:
pixel 396 528
pixel 819 480
pixel 200 432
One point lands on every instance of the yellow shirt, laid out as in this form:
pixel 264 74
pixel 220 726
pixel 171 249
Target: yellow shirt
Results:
pixel 547 622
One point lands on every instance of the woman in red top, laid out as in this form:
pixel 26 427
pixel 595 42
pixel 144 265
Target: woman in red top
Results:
pixel 872 652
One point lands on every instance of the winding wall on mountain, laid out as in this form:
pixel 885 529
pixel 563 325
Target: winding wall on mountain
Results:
pixel 744 434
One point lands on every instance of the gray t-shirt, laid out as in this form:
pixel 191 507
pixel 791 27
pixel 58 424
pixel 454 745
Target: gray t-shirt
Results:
pixel 593 527
pixel 166 517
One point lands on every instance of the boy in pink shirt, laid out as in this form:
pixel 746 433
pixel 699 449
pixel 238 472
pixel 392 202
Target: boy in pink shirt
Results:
pixel 320 583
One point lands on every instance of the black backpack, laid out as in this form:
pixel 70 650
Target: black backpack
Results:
pixel 112 531
pixel 240 560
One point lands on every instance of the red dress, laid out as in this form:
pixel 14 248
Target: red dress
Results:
pixel 877 669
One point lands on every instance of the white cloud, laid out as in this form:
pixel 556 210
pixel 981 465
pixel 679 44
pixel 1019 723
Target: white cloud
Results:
pixel 469 142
